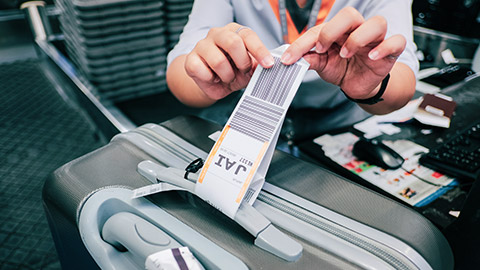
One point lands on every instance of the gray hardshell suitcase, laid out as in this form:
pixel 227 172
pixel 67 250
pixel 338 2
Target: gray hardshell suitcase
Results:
pixel 305 217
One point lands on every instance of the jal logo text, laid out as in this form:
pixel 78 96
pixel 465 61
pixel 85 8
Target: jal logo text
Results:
pixel 230 164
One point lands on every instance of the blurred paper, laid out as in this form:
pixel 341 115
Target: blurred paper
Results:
pixel 382 124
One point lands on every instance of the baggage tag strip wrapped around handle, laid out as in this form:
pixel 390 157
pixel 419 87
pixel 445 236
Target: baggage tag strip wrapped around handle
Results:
pixel 236 166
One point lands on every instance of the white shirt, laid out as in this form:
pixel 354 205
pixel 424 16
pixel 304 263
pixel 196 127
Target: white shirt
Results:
pixel 259 16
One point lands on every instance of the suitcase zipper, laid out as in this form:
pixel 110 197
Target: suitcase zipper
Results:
pixel 389 255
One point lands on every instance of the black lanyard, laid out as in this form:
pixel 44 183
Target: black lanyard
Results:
pixel 312 19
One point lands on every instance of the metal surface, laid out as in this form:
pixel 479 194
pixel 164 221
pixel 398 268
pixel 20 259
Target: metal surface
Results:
pixel 432 43
pixel 37 19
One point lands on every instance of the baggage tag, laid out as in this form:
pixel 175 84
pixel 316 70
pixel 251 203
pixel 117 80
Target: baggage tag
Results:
pixel 236 166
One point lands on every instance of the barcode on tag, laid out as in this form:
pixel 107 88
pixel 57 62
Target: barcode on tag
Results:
pixel 274 84
pixel 256 118
pixel 249 195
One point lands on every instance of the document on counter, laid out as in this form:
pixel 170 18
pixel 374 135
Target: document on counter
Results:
pixel 383 124
pixel 235 168
pixel 414 184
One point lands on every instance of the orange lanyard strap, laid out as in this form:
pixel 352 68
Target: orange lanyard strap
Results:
pixel 289 31
pixel 312 19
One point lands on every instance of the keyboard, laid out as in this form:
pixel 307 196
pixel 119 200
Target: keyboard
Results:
pixel 459 156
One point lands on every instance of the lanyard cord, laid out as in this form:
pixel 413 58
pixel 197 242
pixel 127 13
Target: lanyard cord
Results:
pixel 312 19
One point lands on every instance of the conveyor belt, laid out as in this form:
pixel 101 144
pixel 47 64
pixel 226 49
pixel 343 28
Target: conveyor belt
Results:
pixel 39 132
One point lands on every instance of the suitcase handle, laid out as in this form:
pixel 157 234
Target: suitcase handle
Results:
pixel 139 218
pixel 129 232
pixel 267 236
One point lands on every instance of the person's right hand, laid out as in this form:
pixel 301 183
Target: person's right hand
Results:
pixel 225 59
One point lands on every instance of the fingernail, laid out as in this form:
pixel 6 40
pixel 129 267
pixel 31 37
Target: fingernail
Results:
pixel 286 58
pixel 344 52
pixel 268 61
pixel 373 55
pixel 318 47
pixel 216 80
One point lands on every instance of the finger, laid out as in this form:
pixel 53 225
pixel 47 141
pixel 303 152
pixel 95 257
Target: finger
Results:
pixel 197 69
pixel 317 61
pixel 347 20
pixel 234 47
pixel 301 46
pixel 256 47
pixel 390 48
pixel 371 31
pixel 216 60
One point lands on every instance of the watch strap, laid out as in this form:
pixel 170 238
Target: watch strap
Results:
pixel 375 99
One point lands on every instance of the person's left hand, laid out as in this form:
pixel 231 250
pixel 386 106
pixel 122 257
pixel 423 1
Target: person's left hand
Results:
pixel 349 52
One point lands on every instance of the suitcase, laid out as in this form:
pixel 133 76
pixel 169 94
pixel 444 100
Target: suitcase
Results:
pixel 337 224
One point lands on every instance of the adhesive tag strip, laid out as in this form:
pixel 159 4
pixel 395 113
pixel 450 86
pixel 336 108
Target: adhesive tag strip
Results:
pixel 235 168
pixel 153 189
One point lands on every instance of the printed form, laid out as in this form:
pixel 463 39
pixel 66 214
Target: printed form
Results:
pixel 235 168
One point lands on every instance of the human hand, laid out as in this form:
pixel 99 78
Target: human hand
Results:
pixel 350 52
pixel 225 59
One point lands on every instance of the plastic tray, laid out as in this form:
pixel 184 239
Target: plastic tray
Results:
pixel 104 31
pixel 89 42
pixel 112 60
pixel 135 92
pixel 140 83
pixel 117 10
pixel 104 21
pixel 154 60
pixel 115 49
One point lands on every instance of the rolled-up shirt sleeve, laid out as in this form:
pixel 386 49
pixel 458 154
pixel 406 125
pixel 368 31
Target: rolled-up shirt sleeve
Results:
pixel 205 15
